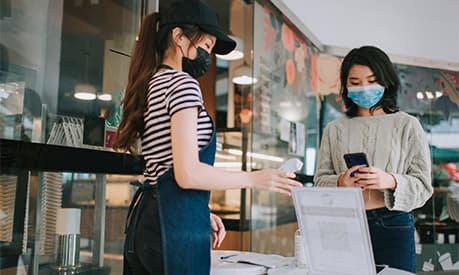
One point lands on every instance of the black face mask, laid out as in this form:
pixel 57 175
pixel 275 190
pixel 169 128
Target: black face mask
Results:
pixel 198 66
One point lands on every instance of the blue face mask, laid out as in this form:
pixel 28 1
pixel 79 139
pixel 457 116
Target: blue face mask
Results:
pixel 365 96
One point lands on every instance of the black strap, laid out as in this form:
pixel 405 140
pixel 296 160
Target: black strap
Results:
pixel 164 66
pixel 136 207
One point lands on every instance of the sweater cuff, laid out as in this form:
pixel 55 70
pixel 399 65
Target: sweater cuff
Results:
pixel 327 181
pixel 401 198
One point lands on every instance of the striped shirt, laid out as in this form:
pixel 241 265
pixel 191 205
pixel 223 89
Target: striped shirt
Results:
pixel 169 91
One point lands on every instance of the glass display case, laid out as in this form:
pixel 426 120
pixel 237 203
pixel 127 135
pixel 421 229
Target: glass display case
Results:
pixel 63 68
pixel 432 96
pixel 284 121
pixel 264 117
pixel 37 180
pixel 69 58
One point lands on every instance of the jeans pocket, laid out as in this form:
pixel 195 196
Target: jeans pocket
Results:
pixel 399 221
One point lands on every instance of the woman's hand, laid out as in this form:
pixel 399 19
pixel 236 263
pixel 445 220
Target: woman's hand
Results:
pixel 374 178
pixel 218 230
pixel 274 180
pixel 346 180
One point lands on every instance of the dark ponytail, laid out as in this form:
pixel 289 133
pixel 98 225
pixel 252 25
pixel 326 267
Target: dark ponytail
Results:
pixel 144 60
pixel 148 53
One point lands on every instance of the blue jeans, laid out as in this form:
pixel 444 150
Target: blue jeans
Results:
pixel 392 238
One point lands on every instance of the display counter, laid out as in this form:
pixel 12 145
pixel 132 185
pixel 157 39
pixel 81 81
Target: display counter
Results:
pixel 22 155
pixel 39 178
pixel 48 176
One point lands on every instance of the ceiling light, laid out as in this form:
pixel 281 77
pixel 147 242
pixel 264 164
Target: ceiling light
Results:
pixel 243 75
pixel 104 97
pixel 84 91
pixel 233 55
pixel 429 95
pixel 85 96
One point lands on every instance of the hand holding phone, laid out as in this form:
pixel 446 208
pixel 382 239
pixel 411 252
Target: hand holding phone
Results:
pixel 353 159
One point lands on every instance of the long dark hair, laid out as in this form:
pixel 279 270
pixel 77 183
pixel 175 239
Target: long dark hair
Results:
pixel 385 74
pixel 148 53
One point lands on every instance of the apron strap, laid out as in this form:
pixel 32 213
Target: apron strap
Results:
pixel 135 209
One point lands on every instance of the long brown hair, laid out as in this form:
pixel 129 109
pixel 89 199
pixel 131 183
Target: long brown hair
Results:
pixel 148 53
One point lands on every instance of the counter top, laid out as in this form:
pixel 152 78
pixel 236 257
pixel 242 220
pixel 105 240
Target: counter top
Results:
pixel 21 155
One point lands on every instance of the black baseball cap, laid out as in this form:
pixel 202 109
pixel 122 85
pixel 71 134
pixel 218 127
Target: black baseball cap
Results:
pixel 195 12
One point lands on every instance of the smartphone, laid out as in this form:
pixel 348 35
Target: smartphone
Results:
pixel 354 159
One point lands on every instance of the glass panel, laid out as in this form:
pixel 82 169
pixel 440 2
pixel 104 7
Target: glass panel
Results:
pixel 30 223
pixel 433 97
pixel 53 52
pixel 49 51
pixel 284 120
pixel 79 192
pixel 230 138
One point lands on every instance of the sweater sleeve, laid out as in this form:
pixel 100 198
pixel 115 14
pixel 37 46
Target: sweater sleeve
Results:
pixel 414 187
pixel 325 175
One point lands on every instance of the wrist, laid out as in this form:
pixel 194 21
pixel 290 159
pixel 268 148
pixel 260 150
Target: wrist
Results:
pixel 338 181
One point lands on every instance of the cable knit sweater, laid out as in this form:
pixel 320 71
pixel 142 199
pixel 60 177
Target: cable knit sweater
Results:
pixel 395 143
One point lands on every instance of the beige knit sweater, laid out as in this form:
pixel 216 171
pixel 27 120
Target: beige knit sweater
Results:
pixel 395 143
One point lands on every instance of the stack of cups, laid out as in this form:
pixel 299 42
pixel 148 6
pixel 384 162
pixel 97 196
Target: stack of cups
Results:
pixel 68 240
pixel 445 261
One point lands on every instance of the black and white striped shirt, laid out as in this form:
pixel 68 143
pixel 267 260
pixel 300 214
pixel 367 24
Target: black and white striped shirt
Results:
pixel 169 91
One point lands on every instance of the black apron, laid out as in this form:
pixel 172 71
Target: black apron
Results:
pixel 184 217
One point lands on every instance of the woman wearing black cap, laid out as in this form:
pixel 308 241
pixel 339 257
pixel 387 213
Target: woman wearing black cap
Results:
pixel 169 224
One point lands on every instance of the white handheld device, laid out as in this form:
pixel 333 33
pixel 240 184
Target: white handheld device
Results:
pixel 291 165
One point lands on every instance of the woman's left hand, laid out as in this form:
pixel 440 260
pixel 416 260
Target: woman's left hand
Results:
pixel 218 230
pixel 374 178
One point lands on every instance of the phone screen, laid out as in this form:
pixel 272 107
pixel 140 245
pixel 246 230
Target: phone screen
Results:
pixel 354 159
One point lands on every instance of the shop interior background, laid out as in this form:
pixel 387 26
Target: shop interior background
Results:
pixel 63 69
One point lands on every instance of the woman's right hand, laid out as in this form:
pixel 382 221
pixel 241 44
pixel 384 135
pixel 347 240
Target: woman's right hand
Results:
pixel 274 180
pixel 346 180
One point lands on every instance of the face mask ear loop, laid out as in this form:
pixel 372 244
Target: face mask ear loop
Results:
pixel 183 54
pixel 192 44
